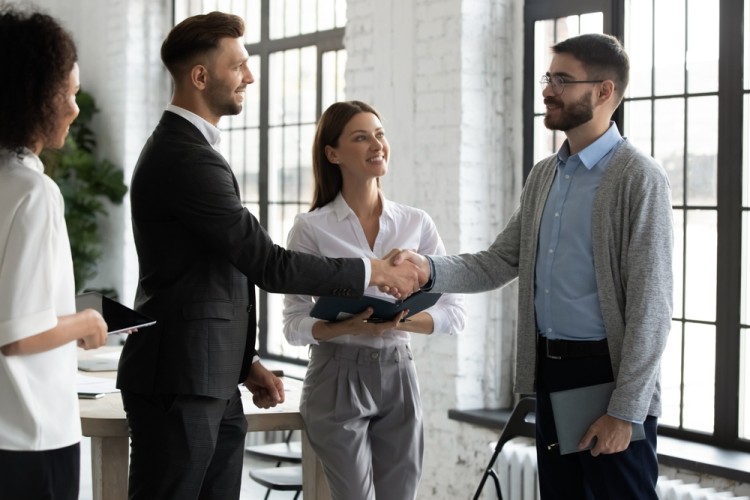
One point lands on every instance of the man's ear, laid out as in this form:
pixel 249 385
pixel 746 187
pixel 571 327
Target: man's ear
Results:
pixel 607 91
pixel 199 76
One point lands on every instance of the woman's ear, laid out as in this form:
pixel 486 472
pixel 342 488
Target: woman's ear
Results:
pixel 331 155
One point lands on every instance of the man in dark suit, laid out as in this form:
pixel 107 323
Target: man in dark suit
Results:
pixel 200 254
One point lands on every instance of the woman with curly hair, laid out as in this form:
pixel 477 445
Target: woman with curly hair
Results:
pixel 40 428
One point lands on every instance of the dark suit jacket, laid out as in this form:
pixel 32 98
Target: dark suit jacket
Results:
pixel 200 254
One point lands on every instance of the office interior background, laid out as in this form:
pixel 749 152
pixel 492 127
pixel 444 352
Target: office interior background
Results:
pixel 456 83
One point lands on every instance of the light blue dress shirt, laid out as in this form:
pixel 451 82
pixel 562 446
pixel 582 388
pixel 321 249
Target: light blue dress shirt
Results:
pixel 565 297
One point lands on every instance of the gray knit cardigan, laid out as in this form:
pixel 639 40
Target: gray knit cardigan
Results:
pixel 632 245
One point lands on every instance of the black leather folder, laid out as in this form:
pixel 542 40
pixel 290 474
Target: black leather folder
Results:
pixel 384 309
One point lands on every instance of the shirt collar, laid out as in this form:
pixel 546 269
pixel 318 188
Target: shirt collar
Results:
pixel 342 210
pixel 594 152
pixel 26 157
pixel 211 133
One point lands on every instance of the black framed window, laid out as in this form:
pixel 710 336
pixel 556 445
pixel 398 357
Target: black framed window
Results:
pixel 298 59
pixel 688 105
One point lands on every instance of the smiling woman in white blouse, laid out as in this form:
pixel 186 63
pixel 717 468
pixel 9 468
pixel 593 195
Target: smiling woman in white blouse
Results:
pixel 360 400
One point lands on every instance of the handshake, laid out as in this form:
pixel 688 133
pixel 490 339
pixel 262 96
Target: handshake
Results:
pixel 400 273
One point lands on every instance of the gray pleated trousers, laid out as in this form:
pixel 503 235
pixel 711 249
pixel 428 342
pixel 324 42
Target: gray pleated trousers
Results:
pixel 363 416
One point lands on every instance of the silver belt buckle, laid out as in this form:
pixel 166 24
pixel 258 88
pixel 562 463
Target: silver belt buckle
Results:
pixel 549 356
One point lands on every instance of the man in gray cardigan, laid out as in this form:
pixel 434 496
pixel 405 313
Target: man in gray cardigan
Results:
pixel 591 246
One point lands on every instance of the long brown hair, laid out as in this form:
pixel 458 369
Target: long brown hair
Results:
pixel 328 180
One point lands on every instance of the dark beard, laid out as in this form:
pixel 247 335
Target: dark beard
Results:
pixel 571 115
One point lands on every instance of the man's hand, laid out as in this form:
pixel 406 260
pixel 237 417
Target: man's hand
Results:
pixel 399 281
pixel 267 388
pixel 399 257
pixel 612 435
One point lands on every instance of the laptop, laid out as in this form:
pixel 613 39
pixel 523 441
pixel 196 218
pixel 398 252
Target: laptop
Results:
pixel 119 318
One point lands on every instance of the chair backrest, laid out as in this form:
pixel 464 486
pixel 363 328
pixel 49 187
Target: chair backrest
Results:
pixel 521 421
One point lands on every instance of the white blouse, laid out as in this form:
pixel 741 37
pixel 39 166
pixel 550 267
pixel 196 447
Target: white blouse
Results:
pixel 38 391
pixel 335 231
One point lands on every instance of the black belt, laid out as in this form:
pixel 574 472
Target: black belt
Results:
pixel 567 349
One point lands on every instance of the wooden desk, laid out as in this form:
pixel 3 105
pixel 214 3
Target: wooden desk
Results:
pixel 104 421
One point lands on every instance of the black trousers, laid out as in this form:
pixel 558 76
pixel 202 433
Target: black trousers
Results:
pixel 40 475
pixel 184 447
pixel 628 475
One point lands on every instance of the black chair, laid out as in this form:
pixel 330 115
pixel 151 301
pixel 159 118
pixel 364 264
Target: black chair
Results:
pixel 520 424
pixel 279 478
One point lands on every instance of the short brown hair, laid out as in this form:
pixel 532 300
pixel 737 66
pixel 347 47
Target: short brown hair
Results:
pixel 328 180
pixel 38 56
pixel 195 36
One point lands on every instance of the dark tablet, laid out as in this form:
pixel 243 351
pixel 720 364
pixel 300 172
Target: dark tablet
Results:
pixel 119 318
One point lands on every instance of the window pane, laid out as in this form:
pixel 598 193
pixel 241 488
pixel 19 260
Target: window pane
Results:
pixel 746 150
pixel 669 123
pixel 275 163
pixel 747 48
pixel 700 265
pixel 638 124
pixel 306 136
pixel 669 47
pixel 703 46
pixel 703 140
pixel 251 15
pixel 744 417
pixel 289 176
pixel 326 14
pixel 745 276
pixel 251 108
pixel 308 84
pixel 544 38
pixel 639 43
pixel 291 86
pixel 334 68
pixel 276 19
pixel 341 13
pixel 700 362
pixel 308 16
pixel 276 88
pixel 567 27
pixel 592 23
pixel 249 182
pixel 671 380
pixel 291 18
pixel 678 261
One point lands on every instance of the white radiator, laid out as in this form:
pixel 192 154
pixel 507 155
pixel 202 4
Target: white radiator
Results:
pixel 516 468
pixel 676 489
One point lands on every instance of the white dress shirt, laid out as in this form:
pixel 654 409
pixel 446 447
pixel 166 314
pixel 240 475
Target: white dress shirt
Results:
pixel 335 231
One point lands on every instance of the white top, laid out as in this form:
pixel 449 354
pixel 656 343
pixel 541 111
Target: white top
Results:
pixel 335 231
pixel 38 392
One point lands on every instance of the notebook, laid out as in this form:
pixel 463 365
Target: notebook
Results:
pixel 119 318
pixel 575 410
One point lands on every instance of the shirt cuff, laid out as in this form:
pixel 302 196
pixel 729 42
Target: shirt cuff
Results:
pixel 430 282
pixel 368 272
pixel 256 359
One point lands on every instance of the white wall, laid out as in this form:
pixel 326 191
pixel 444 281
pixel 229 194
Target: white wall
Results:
pixel 441 73
pixel 118 48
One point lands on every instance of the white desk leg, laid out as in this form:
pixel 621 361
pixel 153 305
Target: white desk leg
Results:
pixel 314 485
pixel 110 482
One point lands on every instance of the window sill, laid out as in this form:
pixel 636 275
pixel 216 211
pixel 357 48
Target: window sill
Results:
pixel 672 452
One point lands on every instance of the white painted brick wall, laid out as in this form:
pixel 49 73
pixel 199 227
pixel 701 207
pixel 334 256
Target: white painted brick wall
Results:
pixel 435 77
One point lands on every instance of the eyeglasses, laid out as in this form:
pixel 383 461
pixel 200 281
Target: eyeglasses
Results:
pixel 558 83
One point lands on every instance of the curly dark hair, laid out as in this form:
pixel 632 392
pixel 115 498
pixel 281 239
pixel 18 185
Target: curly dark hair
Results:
pixel 37 56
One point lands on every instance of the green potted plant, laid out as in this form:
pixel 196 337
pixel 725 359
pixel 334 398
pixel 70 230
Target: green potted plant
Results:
pixel 85 182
